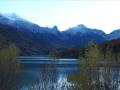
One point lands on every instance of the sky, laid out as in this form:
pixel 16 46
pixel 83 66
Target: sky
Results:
pixel 99 14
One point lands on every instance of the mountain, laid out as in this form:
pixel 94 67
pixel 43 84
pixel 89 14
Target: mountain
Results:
pixel 41 39
pixel 25 44
pixel 83 30
pixel 114 35
pixel 31 38
pixel 80 36
pixel 13 16
pixel 79 28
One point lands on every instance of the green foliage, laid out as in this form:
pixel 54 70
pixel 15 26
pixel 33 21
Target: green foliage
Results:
pixel 109 55
pixel 92 56
pixel 9 68
pixel 8 60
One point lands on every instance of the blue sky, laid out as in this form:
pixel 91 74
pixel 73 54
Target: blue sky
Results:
pixel 100 14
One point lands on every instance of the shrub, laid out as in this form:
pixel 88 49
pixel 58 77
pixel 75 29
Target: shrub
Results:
pixel 9 68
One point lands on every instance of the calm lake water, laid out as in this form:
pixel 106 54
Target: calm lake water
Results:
pixel 43 73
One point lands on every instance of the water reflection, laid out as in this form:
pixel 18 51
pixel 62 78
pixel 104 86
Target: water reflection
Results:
pixel 47 78
pixel 53 77
pixel 60 78
pixel 110 77
pixel 97 78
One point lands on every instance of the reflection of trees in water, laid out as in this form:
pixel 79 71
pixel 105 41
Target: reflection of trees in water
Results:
pixel 110 78
pixel 107 79
pixel 51 79
pixel 102 78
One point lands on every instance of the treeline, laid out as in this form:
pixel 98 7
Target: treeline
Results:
pixel 109 49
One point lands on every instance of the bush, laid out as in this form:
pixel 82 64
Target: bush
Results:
pixel 9 68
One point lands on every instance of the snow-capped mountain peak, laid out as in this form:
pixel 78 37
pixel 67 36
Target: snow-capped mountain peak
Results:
pixel 13 16
pixel 77 29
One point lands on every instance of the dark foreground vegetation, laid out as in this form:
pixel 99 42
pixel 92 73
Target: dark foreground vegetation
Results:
pixel 9 67
pixel 95 69
pixel 96 64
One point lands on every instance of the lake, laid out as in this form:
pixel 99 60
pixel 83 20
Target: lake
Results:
pixel 44 73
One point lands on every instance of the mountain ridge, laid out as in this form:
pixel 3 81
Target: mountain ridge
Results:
pixel 49 39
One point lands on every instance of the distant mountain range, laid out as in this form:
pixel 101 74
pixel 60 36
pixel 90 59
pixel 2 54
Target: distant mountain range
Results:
pixel 33 39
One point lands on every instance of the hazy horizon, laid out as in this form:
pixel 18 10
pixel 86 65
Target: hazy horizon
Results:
pixel 99 14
